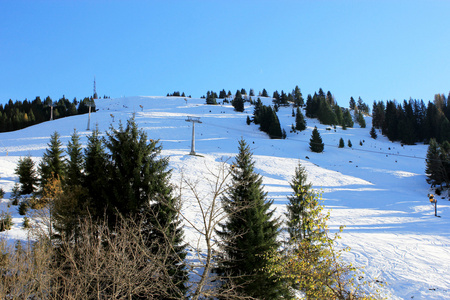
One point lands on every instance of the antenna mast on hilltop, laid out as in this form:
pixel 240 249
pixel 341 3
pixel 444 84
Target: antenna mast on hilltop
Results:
pixel 95 96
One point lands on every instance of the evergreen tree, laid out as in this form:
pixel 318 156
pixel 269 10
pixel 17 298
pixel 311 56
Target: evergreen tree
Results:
pixel 238 102
pixel 373 133
pixel 249 232
pixel 275 131
pixel 27 175
pixel 264 93
pixel 298 97
pixel 75 161
pixel 52 164
pixel 297 214
pixel 300 122
pixel 347 119
pixel 139 187
pixel 434 167
pixel 360 120
pixel 352 103
pixel 95 178
pixel 349 144
pixel 341 143
pixel 315 143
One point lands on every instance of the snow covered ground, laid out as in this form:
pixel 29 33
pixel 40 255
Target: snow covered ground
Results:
pixel 377 190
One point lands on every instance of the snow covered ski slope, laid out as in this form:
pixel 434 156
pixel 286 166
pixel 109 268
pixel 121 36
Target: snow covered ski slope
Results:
pixel 377 189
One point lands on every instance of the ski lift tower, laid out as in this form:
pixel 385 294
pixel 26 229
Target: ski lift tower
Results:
pixel 193 120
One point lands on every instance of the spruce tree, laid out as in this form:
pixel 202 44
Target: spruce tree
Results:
pixel 27 175
pixel 300 122
pixel 238 102
pixel 297 214
pixel 52 164
pixel 373 133
pixel 347 119
pixel 95 176
pixel 75 160
pixel 434 166
pixel 315 143
pixel 139 187
pixel 275 131
pixel 249 232
pixel 341 143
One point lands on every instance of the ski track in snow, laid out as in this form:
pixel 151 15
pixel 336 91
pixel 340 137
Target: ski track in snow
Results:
pixel 379 193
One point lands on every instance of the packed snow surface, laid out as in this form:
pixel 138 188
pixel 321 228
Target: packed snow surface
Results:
pixel 378 190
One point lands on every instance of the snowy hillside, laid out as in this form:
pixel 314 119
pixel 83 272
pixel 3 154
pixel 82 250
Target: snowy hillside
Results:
pixel 377 190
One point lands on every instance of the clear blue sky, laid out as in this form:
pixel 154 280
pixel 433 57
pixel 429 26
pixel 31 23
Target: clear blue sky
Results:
pixel 378 50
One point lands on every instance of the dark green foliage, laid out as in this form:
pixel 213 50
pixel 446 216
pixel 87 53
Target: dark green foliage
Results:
pixel 23 208
pixel 341 143
pixel 325 114
pixel 362 107
pixel 436 170
pixel 352 103
pixel 347 119
pixel 264 93
pixel 95 177
pixel 222 94
pixel 15 194
pixel 298 97
pixel 139 187
pixel 349 144
pixel 373 133
pixel 300 122
pixel 378 114
pixel 83 105
pixel 75 161
pixel 297 214
pixel 249 232
pixel 268 120
pixel 21 114
pixel 27 175
pixel 238 102
pixel 5 221
pixel 52 164
pixel 248 121
pixel 2 193
pixel 360 120
pixel 315 143
pixel 211 98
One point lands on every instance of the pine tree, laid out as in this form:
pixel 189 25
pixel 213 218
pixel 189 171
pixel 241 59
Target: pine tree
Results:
pixel 360 120
pixel 27 175
pixel 373 133
pixel 434 166
pixel 52 164
pixel 341 143
pixel 75 161
pixel 300 122
pixel 347 119
pixel 95 176
pixel 349 144
pixel 238 102
pixel 352 103
pixel 297 215
pixel 264 93
pixel 315 143
pixel 249 232
pixel 298 97
pixel 275 131
pixel 139 187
